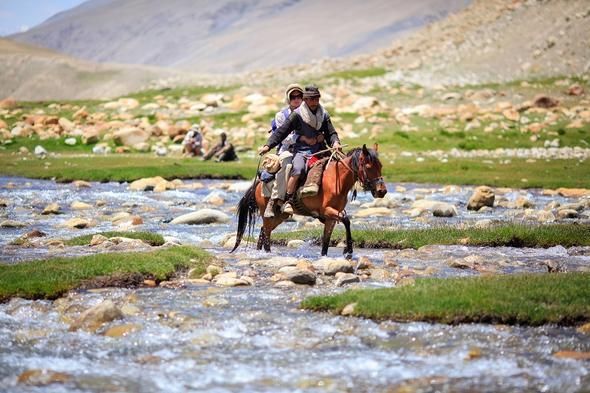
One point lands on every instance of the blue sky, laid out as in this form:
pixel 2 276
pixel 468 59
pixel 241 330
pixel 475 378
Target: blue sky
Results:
pixel 20 15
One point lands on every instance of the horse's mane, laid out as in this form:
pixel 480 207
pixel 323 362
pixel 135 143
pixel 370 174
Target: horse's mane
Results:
pixel 355 155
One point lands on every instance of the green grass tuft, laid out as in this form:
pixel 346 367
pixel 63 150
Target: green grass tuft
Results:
pixel 51 278
pixel 513 235
pixel 153 239
pixel 527 299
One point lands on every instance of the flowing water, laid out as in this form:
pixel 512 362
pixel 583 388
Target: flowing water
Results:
pixel 199 337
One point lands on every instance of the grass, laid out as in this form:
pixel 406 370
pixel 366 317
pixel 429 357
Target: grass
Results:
pixel 527 299
pixel 356 74
pixel 51 278
pixel 51 145
pixel 124 167
pixel 129 167
pixel 513 235
pixel 153 239
pixel 516 173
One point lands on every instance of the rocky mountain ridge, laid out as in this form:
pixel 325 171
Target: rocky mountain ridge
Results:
pixel 229 36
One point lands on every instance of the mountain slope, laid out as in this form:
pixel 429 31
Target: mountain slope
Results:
pixel 230 35
pixel 33 73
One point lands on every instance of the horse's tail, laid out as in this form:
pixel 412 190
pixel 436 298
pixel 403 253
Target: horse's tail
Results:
pixel 246 213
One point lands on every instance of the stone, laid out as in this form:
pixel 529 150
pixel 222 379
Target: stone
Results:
pixel 122 330
pixel 229 279
pixel 95 317
pixel 52 208
pixel 81 184
pixel 214 270
pixel 567 213
pixel 348 309
pixel 152 183
pixel 295 243
pixel 332 266
pixel 42 377
pixel 523 203
pixel 575 90
pixel 546 102
pixel 40 151
pixel 444 210
pixel 298 275
pixel 573 192
pixel 98 239
pixel 374 212
pixel 346 278
pixel 77 205
pixel 585 329
pixel 202 216
pixel 78 223
pixel 8 103
pixel 482 196
pixel 130 136
pixel 572 355
pixel 12 224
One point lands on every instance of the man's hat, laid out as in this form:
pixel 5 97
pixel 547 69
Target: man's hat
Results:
pixel 311 91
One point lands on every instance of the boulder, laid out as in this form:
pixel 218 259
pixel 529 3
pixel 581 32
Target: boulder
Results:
pixel 77 205
pixel 374 212
pixel 202 216
pixel 94 317
pixel 12 224
pixel 152 183
pixel 482 196
pixel 78 223
pixel 130 136
pixel 346 278
pixel 40 151
pixel 298 275
pixel 331 266
pixel 52 208
pixel 8 103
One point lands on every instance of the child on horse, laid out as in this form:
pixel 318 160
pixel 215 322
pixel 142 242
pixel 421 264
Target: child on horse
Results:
pixel 313 128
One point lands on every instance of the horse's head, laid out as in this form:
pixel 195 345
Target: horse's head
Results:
pixel 369 172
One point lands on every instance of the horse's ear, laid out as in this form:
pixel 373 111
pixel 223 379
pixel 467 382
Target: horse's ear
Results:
pixel 365 151
pixel 375 147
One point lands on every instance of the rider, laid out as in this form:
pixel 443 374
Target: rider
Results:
pixel 313 127
pixel 293 98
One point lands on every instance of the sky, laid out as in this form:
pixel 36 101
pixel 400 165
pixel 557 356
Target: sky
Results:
pixel 20 15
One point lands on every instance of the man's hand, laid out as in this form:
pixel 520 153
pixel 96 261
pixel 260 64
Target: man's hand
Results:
pixel 337 145
pixel 263 150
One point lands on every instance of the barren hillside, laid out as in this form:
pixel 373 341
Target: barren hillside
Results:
pixel 231 36
pixel 33 73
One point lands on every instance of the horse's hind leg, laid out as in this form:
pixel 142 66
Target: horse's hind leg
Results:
pixel 328 228
pixel 348 249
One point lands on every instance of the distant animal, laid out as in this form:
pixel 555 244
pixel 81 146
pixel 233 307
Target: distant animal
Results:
pixel 360 164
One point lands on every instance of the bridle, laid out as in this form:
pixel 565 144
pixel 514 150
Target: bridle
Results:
pixel 363 178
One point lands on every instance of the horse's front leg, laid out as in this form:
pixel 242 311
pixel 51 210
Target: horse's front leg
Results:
pixel 328 228
pixel 262 240
pixel 268 225
pixel 348 249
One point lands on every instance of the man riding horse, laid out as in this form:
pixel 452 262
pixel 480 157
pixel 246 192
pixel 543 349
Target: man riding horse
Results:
pixel 312 125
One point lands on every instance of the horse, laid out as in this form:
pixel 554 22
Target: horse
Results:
pixel 360 164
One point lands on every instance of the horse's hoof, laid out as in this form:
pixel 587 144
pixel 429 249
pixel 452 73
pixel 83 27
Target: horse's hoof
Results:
pixel 348 255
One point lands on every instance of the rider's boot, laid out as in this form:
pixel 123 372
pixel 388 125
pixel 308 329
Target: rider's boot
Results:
pixel 269 212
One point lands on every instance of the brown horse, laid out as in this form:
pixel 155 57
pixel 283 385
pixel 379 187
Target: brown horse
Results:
pixel 360 164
